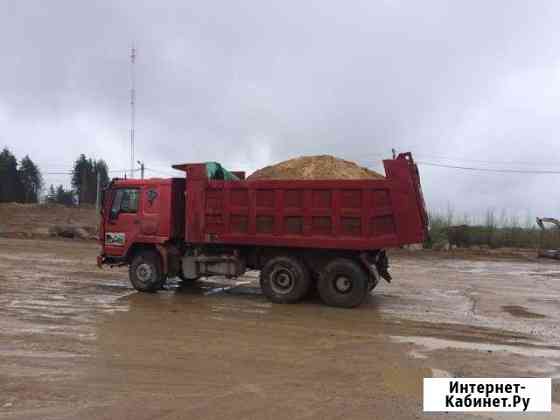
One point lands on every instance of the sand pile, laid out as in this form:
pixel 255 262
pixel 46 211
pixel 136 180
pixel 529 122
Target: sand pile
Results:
pixel 315 167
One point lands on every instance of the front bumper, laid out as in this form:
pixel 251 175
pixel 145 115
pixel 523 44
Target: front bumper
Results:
pixel 110 261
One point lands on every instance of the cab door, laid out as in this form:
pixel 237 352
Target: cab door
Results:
pixel 123 221
pixel 150 225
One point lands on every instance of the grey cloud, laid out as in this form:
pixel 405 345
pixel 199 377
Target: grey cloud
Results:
pixel 251 82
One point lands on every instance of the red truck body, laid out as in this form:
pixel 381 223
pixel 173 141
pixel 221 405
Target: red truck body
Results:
pixel 334 214
pixel 199 226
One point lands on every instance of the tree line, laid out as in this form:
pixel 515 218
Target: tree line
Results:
pixel 84 178
pixel 22 182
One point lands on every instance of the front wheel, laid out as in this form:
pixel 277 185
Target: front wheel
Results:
pixel 145 272
pixel 343 283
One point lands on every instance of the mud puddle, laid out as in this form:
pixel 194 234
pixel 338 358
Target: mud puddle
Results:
pixel 430 344
pixel 77 342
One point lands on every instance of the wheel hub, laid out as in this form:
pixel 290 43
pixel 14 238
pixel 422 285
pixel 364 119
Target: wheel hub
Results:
pixel 144 272
pixel 343 284
pixel 282 281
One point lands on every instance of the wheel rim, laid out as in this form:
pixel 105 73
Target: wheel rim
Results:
pixel 282 281
pixel 342 284
pixel 144 273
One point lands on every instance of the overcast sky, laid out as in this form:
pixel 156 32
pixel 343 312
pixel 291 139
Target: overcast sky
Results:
pixel 249 83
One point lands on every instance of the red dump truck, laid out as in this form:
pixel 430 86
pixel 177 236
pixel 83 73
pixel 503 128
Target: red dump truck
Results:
pixel 301 234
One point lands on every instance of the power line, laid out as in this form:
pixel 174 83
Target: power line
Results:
pixel 124 170
pixel 460 159
pixel 492 162
pixel 160 172
pixel 439 165
pixel 71 171
pixel 468 168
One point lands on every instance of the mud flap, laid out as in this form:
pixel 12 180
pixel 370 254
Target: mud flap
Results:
pixel 373 277
pixel 376 269
pixel 382 264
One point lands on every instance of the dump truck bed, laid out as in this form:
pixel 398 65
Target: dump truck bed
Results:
pixel 330 214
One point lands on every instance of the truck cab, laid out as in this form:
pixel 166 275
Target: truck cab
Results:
pixel 140 213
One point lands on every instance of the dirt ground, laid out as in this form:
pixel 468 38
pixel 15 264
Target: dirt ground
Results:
pixel 78 342
pixel 36 220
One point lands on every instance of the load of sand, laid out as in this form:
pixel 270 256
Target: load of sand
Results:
pixel 315 167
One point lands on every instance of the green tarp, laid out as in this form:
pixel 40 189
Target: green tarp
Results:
pixel 217 172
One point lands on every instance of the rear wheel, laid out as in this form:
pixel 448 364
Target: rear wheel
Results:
pixel 145 272
pixel 343 283
pixel 285 280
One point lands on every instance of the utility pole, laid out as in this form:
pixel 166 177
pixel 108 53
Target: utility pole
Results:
pixel 98 195
pixel 141 169
pixel 132 108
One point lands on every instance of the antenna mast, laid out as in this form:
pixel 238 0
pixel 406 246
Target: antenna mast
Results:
pixel 132 108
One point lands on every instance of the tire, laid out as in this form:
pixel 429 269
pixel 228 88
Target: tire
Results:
pixel 343 283
pixel 145 272
pixel 285 280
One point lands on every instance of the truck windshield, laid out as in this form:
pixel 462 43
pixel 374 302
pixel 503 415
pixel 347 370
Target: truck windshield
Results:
pixel 125 201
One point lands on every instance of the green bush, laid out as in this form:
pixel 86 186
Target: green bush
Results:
pixel 507 234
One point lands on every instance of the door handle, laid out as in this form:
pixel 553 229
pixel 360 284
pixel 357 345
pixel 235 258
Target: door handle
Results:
pixel 136 222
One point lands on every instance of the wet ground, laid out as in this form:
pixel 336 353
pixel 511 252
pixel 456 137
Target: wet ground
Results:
pixel 77 342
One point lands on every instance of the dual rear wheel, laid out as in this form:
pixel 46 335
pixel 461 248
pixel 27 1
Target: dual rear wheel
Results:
pixel 343 282
pixel 285 280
